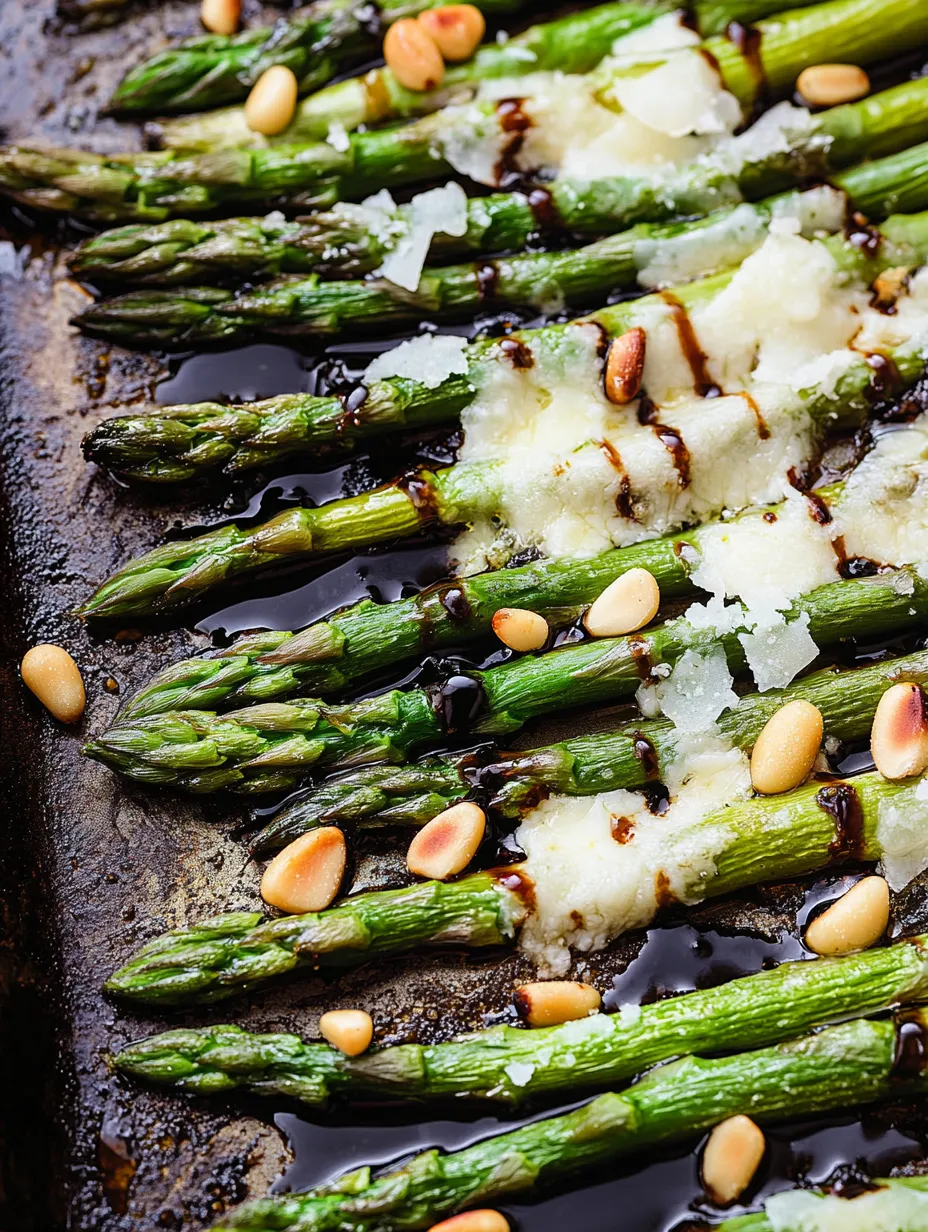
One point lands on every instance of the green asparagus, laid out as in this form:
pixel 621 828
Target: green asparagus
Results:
pixel 850 1064
pixel 573 44
pixel 155 186
pixel 179 572
pixel 763 839
pixel 752 1012
pixel 512 783
pixel 270 746
pixel 313 307
pixel 251 249
pixel 316 42
pixel 894 1204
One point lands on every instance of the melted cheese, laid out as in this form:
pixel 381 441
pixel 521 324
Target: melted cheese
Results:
pixel 895 1209
pixel 590 887
pixel 902 834
pixel 575 474
pixel 882 512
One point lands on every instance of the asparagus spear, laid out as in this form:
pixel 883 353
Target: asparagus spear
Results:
pixel 765 838
pixel 155 186
pixel 317 42
pixel 856 1063
pixel 311 307
pixel 573 44
pixel 250 249
pixel 179 572
pixel 752 1012
pixel 271 746
pixel 628 758
pixel 894 1204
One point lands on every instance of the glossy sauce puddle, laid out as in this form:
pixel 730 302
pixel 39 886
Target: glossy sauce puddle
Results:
pixel 652 1194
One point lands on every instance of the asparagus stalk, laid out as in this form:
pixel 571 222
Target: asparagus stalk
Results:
pixel 511 783
pixel 766 838
pixel 311 307
pixel 155 186
pixel 353 239
pixel 317 42
pixel 251 249
pixel 894 1204
pixel 271 746
pixel 573 44
pixel 855 1063
pixel 752 1012
pixel 179 572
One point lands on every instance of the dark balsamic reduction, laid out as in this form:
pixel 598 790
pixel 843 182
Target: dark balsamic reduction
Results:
pixel 842 803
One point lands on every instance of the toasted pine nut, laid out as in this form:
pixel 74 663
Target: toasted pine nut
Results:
pixel 627 604
pixel 732 1156
pixel 412 55
pixel 519 629
pixel 786 749
pixel 855 922
pixel 555 1001
pixel 889 285
pixel 271 104
pixel 625 366
pixel 448 843
pixel 826 85
pixel 899 737
pixel 350 1031
pixel 305 876
pixel 457 29
pixel 55 679
pixel 473 1221
pixel 221 16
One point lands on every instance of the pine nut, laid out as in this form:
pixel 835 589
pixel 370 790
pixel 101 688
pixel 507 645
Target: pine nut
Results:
pixel 448 843
pixel 625 366
pixel 306 875
pixel 856 921
pixel 786 749
pixel 899 737
pixel 827 85
pixel 271 104
pixel 473 1221
pixel 350 1031
pixel 412 56
pixel 551 1002
pixel 731 1158
pixel 221 16
pixel 889 285
pixel 629 603
pixel 519 629
pixel 457 29
pixel 55 679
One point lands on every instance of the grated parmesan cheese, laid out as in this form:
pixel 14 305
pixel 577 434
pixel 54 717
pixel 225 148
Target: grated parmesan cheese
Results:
pixel 590 888
pixel 902 834
pixel 430 359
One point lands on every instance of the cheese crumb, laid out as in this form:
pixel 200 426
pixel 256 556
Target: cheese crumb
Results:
pixel 777 653
pixel 698 690
pixel 430 359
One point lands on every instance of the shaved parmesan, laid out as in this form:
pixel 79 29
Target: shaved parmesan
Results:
pixel 698 690
pixel 430 359
pixel 680 97
pixel 777 653
pixel 902 834
pixel 439 211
